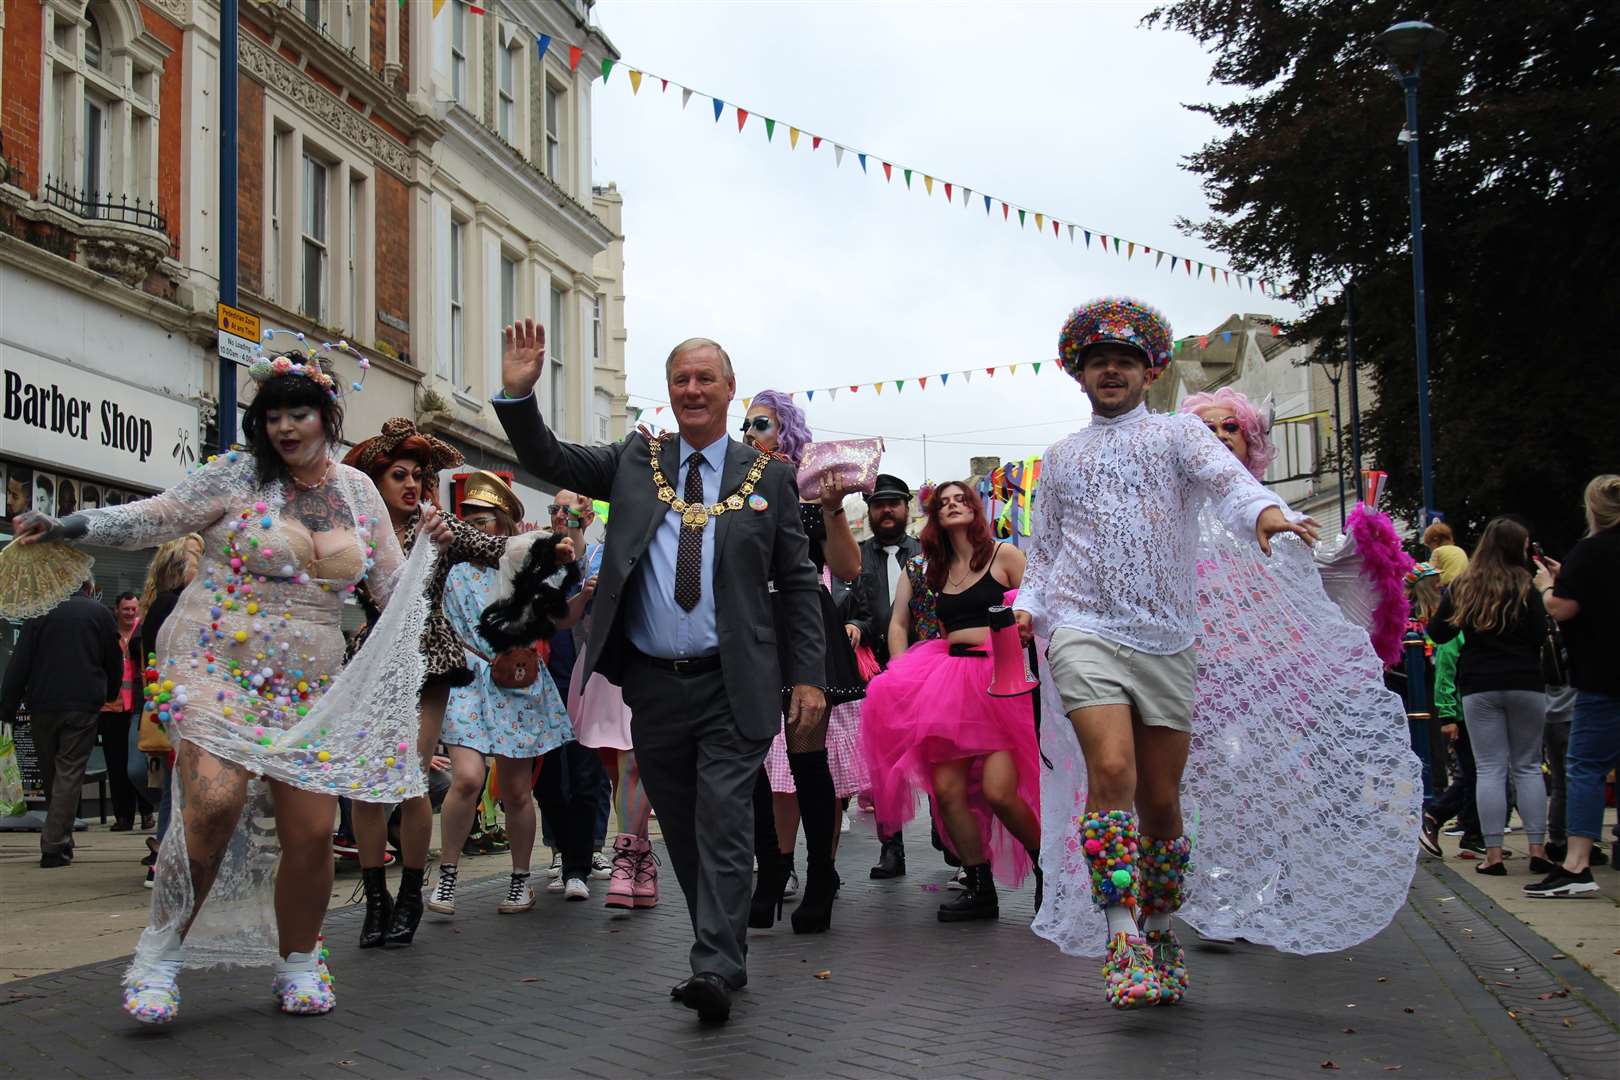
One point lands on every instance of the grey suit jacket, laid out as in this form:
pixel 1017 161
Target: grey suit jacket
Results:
pixel 751 549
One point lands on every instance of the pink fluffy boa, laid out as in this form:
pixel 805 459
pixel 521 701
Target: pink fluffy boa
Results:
pixel 1384 564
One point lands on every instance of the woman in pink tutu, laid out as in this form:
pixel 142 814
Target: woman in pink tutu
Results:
pixel 930 723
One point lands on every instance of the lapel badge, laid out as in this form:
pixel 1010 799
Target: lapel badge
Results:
pixel 757 504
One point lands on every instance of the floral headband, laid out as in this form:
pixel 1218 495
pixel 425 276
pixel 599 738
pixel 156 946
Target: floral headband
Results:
pixel 266 367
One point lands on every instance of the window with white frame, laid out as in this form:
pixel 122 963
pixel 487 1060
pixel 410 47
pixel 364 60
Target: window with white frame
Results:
pixel 596 327
pixel 314 196
pixel 101 74
pixel 313 14
pixel 556 337
pixel 507 62
pixel 354 285
pixel 460 86
pixel 556 112
pixel 458 322
pixel 509 287
pixel 346 22
pixel 602 415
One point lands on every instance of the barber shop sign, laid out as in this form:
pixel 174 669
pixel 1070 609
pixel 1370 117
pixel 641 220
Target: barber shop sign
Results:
pixel 72 418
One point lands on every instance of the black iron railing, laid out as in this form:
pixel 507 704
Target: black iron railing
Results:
pixel 102 206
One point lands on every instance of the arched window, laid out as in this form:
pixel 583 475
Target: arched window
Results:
pixel 102 71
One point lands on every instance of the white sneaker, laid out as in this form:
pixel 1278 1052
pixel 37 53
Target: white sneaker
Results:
pixel 791 889
pixel 555 885
pixel 845 826
pixel 519 896
pixel 443 900
pixel 601 868
pixel 576 889
pixel 555 869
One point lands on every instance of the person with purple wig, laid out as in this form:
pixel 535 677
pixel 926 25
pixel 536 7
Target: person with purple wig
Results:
pixel 775 424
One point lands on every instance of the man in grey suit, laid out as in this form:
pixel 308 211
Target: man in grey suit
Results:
pixel 702 530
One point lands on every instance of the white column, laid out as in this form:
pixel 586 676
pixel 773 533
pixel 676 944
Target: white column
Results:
pixel 440 356
pixel 424 301
pixel 484 364
pixel 199 122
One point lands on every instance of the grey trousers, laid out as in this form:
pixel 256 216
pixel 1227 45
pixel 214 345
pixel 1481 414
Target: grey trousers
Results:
pixel 64 741
pixel 1506 728
pixel 699 773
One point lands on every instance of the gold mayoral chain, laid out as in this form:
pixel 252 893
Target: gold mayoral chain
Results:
pixel 696 515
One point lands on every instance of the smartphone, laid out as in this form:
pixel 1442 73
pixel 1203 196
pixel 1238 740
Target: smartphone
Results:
pixel 1536 552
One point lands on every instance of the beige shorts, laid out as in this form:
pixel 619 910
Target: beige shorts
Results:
pixel 1091 671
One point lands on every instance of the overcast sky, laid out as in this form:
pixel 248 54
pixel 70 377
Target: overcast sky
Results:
pixel 813 275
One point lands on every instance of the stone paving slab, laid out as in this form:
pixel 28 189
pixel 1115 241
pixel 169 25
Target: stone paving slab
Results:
pixel 571 989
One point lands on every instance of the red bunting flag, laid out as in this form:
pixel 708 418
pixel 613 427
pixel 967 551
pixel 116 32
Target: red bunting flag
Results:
pixel 1276 331
pixel 574 55
pixel 815 142
pixel 888 171
pixel 922 382
pixel 1188 262
pixel 854 389
pixel 1055 230
pixel 1003 211
pixel 742 118
pixel 1203 341
pixel 947 191
pixel 990 371
pixel 666 86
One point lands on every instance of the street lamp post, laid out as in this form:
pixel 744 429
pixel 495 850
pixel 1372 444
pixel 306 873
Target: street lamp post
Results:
pixel 1405 44
pixel 1355 398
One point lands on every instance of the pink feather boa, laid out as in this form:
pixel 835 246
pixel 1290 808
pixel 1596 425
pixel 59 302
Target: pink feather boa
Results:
pixel 1384 564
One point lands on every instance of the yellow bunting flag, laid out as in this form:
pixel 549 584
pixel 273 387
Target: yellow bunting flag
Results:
pixel 438 6
pixel 635 82
pixel 928 183
pixel 1040 222
pixel 1130 250
pixel 793 138
pixel 878 387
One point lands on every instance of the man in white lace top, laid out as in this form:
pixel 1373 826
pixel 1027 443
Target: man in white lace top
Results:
pixel 1110 586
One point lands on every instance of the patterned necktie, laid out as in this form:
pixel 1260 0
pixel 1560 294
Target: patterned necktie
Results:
pixel 689 556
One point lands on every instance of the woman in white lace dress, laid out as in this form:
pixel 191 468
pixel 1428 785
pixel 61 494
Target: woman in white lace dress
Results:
pixel 266 740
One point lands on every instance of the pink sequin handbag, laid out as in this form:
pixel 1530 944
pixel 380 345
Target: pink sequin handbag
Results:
pixel 851 464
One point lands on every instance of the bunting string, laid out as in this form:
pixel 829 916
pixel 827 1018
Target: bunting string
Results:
pixel 1088 238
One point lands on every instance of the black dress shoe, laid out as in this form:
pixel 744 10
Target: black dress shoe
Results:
pixel 52 859
pixel 708 994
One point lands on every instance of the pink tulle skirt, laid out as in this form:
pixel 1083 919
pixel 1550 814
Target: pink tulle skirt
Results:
pixel 931 707
pixel 844 755
pixel 601 718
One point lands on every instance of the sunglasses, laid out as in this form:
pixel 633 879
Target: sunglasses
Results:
pixel 761 424
pixel 558 508
pixel 1229 425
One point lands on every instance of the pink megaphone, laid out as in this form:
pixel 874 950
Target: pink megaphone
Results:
pixel 1012 675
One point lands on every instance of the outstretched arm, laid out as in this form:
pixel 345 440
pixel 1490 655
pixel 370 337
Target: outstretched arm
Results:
pixel 586 469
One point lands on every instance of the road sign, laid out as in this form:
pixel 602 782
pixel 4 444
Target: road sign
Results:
pixel 238 334
pixel 239 323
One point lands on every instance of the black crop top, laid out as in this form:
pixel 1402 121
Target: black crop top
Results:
pixel 970 608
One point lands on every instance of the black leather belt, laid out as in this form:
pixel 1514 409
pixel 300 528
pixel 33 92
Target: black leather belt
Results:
pixel 693 665
pixel 967 650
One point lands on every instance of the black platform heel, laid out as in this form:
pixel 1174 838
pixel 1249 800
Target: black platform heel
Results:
pixel 814 913
pixel 379 908
pixel 407 908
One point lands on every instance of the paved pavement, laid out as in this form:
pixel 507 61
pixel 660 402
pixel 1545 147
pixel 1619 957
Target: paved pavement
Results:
pixel 1454 987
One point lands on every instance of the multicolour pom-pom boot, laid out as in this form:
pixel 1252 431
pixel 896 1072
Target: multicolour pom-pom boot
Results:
pixel 1163 865
pixel 1111 844
pixel 303 984
pixel 153 997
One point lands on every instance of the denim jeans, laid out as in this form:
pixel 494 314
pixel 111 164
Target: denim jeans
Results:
pixel 1594 749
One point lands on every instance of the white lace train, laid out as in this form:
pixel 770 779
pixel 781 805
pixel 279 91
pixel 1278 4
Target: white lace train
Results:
pixel 1301 793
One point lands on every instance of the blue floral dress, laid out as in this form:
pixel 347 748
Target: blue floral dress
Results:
pixel 508 723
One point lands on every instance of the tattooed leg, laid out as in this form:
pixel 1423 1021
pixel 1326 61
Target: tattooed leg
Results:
pixel 212 793
pixel 304 875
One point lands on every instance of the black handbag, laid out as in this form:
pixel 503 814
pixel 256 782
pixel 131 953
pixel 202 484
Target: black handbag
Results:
pixel 1554 655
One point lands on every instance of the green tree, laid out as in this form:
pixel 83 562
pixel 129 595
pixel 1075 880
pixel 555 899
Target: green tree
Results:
pixel 1519 115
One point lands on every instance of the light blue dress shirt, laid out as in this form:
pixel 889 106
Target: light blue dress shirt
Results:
pixel 656 624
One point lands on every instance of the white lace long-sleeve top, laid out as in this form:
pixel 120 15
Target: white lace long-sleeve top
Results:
pixel 1117 527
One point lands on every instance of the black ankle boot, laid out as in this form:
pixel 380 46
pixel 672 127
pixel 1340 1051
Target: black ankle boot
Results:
pixel 407 908
pixel 1040 879
pixel 977 900
pixel 766 906
pixel 379 908
pixel 891 860
pixel 814 913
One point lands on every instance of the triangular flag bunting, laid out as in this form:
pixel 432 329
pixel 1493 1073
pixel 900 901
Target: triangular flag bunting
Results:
pixel 474 9
pixel 742 117
pixel 948 196
pixel 832 392
pixel 854 389
pixel 543 42
pixel 1037 367
pixel 793 138
pixel 1003 211
pixel 878 387
pixel 1130 251
pixel 438 6
pixel 1020 219
pixel 635 82
pixel 607 67
pixel 1157 259
pixel 967 196
pixel 838 157
pixel 810 395
pixel 686 95
pixel 908 179
pixel 747 401
pixel 1226 276
pixel 928 183
pixel 1040 222
pixel 1188 264
pixel 719 107
pixel 1071 235
pixel 1226 336
pixel 1200 269
pixel 666 85
pixel 815 142
pixel 944 380
pixel 1104 242
pixel 967 376
pixel 987 204
pixel 922 382
pixel 575 53
pixel 1055 229
pixel 1088 239
pixel 1116 245
pixel 1203 341
pixel 1012 369
pixel 1212 273
pixel 899 386
pixel 888 171
pixel 770 128
pixel 658 410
